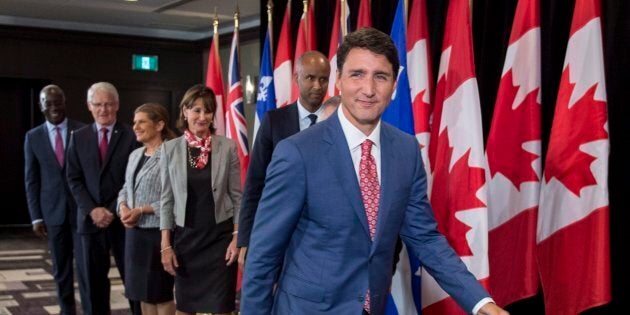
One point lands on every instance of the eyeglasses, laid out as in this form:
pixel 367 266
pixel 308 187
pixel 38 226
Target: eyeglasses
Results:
pixel 103 105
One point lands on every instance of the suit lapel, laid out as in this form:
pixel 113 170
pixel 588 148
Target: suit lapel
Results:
pixel 388 170
pixel 294 121
pixel 43 140
pixel 341 162
pixel 117 132
pixel 216 159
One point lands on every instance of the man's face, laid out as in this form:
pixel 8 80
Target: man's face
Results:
pixel 312 80
pixel 366 83
pixel 53 106
pixel 103 107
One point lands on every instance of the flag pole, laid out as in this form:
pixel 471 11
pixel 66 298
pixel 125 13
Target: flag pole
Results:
pixel 270 24
pixel 342 18
pixel 305 12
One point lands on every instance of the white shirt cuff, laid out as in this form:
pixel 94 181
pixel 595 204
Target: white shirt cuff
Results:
pixel 480 304
pixel 37 221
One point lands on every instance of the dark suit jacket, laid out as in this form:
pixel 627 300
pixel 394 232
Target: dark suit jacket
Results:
pixel 311 222
pixel 92 184
pixel 47 191
pixel 277 125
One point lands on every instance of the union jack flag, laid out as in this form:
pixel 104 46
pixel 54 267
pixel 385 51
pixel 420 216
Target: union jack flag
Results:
pixel 236 125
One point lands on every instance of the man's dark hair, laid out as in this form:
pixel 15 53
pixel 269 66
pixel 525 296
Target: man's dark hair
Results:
pixel 372 40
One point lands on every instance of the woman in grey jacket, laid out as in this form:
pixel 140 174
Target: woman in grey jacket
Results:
pixel 201 195
pixel 139 209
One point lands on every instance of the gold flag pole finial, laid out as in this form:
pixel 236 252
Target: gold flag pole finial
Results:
pixel 236 15
pixel 215 21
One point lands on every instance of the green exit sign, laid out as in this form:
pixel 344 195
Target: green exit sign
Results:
pixel 144 63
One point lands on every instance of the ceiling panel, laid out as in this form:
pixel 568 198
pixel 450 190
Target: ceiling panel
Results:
pixel 177 19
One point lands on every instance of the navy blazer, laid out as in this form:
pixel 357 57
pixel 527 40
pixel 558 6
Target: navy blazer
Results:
pixel 95 184
pixel 277 125
pixel 47 191
pixel 312 223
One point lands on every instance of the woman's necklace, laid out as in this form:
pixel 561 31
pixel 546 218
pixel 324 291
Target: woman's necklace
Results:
pixel 192 160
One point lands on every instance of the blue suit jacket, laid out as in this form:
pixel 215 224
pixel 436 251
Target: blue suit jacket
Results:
pixel 95 184
pixel 311 221
pixel 277 125
pixel 47 191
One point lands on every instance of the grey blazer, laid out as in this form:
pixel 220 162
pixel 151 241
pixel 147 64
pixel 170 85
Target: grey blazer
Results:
pixel 147 188
pixel 226 181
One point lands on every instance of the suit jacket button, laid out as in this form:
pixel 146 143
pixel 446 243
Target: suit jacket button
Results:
pixel 214 189
pixel 360 298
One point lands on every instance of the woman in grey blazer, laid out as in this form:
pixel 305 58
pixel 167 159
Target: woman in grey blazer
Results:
pixel 139 209
pixel 201 195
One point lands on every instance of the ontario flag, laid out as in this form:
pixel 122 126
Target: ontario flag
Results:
pixel 573 220
pixel 214 80
pixel 266 98
pixel 364 18
pixel 283 71
pixel 405 289
pixel 514 163
pixel 340 21
pixel 236 125
pixel 458 193
pixel 306 40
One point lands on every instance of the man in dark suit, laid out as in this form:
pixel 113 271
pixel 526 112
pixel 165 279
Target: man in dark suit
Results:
pixel 97 159
pixel 311 74
pixel 336 198
pixel 51 206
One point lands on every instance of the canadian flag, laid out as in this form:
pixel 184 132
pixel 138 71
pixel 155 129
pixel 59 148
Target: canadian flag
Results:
pixel 514 164
pixel 336 37
pixel 420 75
pixel 283 73
pixel 214 80
pixel 406 283
pixel 573 228
pixel 458 194
pixel 364 17
pixel 306 40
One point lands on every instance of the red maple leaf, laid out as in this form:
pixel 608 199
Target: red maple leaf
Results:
pixel 421 113
pixel 582 123
pixel 454 191
pixel 510 129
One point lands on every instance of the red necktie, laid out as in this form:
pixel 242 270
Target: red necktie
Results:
pixel 370 188
pixel 59 146
pixel 103 145
pixel 370 193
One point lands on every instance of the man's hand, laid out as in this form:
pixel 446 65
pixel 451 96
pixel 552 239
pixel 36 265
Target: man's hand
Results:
pixel 492 309
pixel 101 217
pixel 40 230
pixel 241 257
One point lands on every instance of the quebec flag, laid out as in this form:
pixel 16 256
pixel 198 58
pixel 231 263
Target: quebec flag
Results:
pixel 266 99
pixel 405 293
pixel 398 113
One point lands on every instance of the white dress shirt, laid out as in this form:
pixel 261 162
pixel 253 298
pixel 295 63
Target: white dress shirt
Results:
pixel 52 133
pixel 303 113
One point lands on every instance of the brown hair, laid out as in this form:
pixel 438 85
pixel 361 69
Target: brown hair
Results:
pixel 373 40
pixel 157 113
pixel 197 91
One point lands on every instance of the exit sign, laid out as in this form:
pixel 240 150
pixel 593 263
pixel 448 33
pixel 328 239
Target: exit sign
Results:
pixel 144 63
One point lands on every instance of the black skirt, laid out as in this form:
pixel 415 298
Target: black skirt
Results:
pixel 203 284
pixel 145 278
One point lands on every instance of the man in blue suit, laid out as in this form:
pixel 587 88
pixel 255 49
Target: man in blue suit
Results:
pixel 51 206
pixel 97 160
pixel 311 74
pixel 336 198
